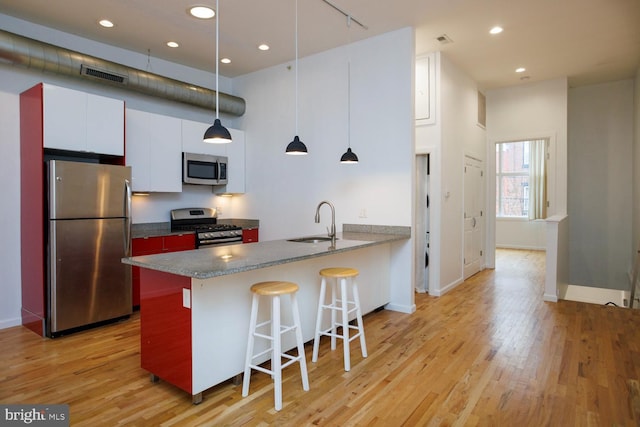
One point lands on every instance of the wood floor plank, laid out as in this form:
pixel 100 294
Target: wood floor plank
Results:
pixel 490 352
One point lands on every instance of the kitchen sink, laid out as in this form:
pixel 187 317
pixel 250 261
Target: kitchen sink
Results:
pixel 311 239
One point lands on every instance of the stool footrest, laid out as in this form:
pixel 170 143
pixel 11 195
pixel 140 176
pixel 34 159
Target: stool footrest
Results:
pixel 328 333
pixel 291 360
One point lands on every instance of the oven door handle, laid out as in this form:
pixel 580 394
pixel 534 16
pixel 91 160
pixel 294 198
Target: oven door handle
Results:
pixel 212 242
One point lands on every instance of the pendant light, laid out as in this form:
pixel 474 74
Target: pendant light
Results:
pixel 296 147
pixel 217 134
pixel 349 157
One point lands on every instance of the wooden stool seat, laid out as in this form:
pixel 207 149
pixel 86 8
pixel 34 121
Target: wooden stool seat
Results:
pixel 274 290
pixel 339 272
pixel 341 304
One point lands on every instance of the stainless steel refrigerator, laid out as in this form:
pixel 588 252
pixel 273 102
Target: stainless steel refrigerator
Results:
pixel 89 228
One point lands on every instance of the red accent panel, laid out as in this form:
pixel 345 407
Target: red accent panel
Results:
pixel 146 245
pixel 32 207
pixel 249 235
pixel 165 327
pixel 181 242
pixel 155 245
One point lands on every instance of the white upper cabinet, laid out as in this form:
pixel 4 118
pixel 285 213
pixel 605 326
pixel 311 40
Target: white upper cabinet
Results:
pixel 79 121
pixel 236 166
pixel 154 152
pixel 192 133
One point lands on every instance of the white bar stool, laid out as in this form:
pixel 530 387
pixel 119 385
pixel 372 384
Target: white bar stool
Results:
pixel 342 305
pixel 274 290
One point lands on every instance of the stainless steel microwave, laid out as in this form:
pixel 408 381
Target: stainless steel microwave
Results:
pixel 204 169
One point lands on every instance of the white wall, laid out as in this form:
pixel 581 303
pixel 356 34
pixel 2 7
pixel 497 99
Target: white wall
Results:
pixel 600 194
pixel 283 191
pixel 522 112
pixel 520 234
pixel 9 210
pixel 454 134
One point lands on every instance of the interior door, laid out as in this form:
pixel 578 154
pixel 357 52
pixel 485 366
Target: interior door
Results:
pixel 473 216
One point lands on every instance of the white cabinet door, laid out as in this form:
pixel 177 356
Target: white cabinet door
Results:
pixel 192 134
pixel 154 152
pixel 78 121
pixel 236 165
pixel 105 125
pixel 65 125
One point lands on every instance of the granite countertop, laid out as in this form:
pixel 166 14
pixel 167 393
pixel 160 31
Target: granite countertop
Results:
pixel 216 261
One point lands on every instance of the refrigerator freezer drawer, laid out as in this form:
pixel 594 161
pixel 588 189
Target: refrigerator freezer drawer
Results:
pixel 87 190
pixel 88 282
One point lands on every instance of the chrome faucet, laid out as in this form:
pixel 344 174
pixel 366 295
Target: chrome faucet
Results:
pixel 332 231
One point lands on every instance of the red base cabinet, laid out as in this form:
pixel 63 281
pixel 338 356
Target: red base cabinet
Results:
pixel 165 332
pixel 156 245
pixel 249 235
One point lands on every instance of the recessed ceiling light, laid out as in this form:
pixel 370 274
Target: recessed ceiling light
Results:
pixel 225 61
pixel 202 12
pixel 263 47
pixel 521 70
pixel 106 23
pixel 172 44
pixel 496 30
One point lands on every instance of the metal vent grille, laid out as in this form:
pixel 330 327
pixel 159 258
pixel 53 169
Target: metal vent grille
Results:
pixel 102 75
pixel 444 39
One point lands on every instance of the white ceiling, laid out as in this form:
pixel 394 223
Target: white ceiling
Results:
pixel 589 41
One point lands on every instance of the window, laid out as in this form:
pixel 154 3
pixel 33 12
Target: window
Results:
pixel 521 179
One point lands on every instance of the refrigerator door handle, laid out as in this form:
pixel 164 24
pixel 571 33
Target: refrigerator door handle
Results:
pixel 127 214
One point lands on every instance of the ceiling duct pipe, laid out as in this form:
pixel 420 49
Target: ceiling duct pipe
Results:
pixel 25 52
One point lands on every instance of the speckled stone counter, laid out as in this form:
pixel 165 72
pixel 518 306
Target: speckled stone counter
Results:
pixel 222 260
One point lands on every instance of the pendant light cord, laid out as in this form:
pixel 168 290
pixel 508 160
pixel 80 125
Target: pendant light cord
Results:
pixel 296 46
pixel 349 81
pixel 217 43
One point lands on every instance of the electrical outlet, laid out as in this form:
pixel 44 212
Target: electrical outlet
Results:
pixel 363 213
pixel 218 210
pixel 186 298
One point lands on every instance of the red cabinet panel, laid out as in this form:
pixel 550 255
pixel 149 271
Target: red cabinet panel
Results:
pixel 156 245
pixel 181 242
pixel 249 235
pixel 165 328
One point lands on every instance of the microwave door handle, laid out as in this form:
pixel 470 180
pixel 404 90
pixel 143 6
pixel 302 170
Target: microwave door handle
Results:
pixel 218 171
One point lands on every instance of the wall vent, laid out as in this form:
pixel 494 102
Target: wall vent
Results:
pixel 102 74
pixel 444 39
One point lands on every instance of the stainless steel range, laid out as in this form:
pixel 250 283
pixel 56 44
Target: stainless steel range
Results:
pixel 204 221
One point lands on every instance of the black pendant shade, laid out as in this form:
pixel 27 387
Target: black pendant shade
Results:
pixel 349 157
pixel 217 134
pixel 296 147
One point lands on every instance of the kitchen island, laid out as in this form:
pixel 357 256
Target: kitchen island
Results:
pixel 195 305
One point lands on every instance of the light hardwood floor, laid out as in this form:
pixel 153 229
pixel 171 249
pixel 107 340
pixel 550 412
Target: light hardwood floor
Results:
pixel 488 353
